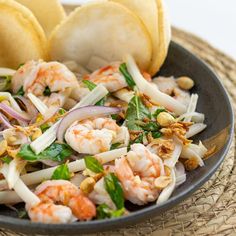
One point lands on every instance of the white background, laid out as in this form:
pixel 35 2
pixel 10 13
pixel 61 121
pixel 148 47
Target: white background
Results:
pixel 213 20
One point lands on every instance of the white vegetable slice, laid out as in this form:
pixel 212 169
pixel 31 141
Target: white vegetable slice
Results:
pixel 6 71
pixel 124 94
pixel 74 166
pixel 21 189
pixel 192 106
pixel 41 107
pixel 170 162
pixel 104 30
pixel 166 192
pixel 195 129
pixel 194 116
pixel 189 152
pixel 180 174
pixel 8 96
pixel 9 197
pixel 47 138
pixel 151 90
pixel 14 170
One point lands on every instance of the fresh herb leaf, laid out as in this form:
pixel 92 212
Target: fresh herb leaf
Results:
pixel 6 159
pixel 151 126
pixel 44 127
pixel 115 146
pixel 61 172
pixel 158 111
pixel 128 78
pixel 22 214
pixel 61 111
pixel 20 65
pixel 114 189
pixel 55 152
pixel 156 134
pixel 136 111
pixel 93 164
pixel 103 211
pixel 20 92
pixel 47 91
pixel 5 82
pixel 90 85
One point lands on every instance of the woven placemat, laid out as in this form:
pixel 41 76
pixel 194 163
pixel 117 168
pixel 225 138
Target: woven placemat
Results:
pixel 212 209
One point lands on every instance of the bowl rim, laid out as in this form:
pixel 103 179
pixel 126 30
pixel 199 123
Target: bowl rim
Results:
pixel 23 225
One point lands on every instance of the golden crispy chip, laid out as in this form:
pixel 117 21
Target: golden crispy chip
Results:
pixel 21 36
pixel 164 29
pixel 147 12
pixel 48 12
pixel 96 34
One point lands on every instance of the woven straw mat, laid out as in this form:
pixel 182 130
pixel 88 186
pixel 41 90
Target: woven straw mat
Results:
pixel 212 209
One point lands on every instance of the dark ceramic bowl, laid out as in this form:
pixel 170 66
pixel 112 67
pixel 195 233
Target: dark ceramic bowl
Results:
pixel 213 102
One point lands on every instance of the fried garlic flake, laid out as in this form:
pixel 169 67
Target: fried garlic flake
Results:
pixel 179 129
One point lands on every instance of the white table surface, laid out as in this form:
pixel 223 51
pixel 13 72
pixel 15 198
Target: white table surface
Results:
pixel 213 20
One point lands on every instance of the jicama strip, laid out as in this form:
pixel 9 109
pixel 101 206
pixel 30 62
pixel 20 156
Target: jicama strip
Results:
pixel 25 194
pixel 192 106
pixel 41 107
pixel 166 192
pixel 124 94
pixel 195 117
pixel 21 189
pixel 195 129
pixel 8 96
pixel 6 71
pixel 170 162
pixel 14 170
pixel 152 91
pixel 47 138
pixel 74 166
pixel 9 197
pixel 188 152
pixel 180 174
pixel 200 149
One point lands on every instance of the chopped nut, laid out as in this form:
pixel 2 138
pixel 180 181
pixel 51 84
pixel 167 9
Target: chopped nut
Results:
pixel 87 185
pixel 185 82
pixel 37 133
pixel 12 152
pixel 165 119
pixel 98 176
pixel 162 182
pixel 191 164
pixel 3 147
pixel 167 170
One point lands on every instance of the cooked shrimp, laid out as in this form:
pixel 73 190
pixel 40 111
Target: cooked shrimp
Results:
pixel 93 136
pixel 34 77
pixel 61 202
pixel 137 172
pixel 110 77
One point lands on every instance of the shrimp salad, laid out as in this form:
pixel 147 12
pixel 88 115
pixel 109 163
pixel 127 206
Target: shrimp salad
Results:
pixel 78 146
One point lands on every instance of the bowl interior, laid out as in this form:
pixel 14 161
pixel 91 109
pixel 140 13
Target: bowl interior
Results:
pixel 213 102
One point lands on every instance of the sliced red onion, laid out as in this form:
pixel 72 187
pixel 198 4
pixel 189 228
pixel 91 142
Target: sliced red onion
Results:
pixel 81 114
pixel 30 108
pixel 5 121
pixel 16 115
